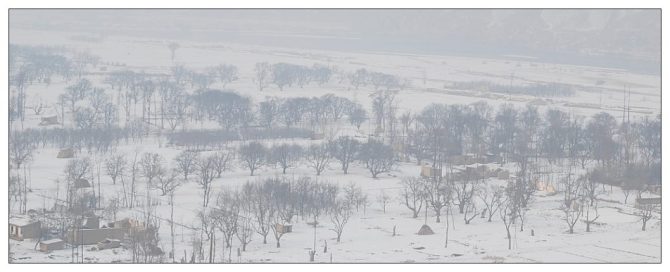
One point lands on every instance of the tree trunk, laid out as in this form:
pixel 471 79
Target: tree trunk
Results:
pixel 509 240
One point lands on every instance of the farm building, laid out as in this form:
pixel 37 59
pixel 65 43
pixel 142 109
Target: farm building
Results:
pixel 544 186
pixel 129 225
pixel 428 171
pixel 51 245
pixel 21 228
pixel 651 202
pixel 93 236
pixel 49 120
pixel 91 222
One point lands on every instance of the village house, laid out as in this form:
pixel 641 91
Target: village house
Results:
pixel 66 153
pixel 93 236
pixel 428 171
pixel 21 228
pixel 89 232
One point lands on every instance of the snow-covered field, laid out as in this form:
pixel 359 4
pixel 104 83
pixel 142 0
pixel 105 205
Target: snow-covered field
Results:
pixel 368 237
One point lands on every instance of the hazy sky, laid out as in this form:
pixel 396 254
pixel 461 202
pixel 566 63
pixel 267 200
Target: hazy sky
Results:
pixel 604 37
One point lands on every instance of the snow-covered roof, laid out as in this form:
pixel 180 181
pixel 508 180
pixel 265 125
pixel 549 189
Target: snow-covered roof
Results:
pixel 21 221
pixel 51 241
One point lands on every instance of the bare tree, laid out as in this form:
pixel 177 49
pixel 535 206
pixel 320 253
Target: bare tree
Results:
pixel 208 227
pixel 491 196
pixel 413 194
pixel 378 157
pixel 383 200
pixel 357 115
pixel 75 171
pixel 345 149
pixel 115 166
pixel 225 73
pixel 171 191
pixel 318 156
pixel 438 194
pixel 591 215
pixel 226 216
pixel 645 212
pixel 259 200
pixel 186 162
pixel 508 215
pixel 465 189
pixel 253 155
pixel 167 181
pixel 268 111
pixel 262 75
pixel 21 149
pixel 470 212
pixel 221 161
pixel 572 205
pixel 286 155
pixel 340 213
pixel 572 213
pixel 590 189
pixel 152 166
pixel 206 170
pixel 245 230
pixel 173 46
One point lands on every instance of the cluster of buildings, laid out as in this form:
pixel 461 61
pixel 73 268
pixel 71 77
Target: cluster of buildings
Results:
pixel 86 230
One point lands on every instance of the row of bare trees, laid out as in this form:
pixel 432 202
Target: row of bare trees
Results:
pixel 374 155
pixel 270 206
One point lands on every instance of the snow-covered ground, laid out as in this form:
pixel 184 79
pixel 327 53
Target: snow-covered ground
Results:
pixel 368 237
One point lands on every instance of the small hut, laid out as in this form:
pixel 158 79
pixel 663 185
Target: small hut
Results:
pixel 81 183
pixel 425 230
pixel 544 186
pixel 281 228
pixel 51 245
pixel 24 228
